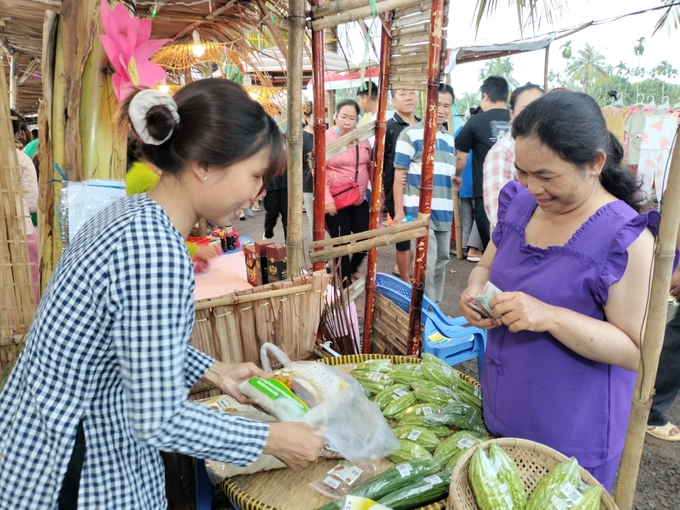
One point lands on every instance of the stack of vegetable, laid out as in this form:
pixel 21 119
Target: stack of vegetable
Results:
pixel 424 402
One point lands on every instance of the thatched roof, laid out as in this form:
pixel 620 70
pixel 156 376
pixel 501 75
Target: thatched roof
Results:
pixel 230 21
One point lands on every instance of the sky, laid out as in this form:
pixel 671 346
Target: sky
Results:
pixel 615 40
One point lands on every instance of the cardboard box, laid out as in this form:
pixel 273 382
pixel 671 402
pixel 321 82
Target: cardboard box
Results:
pixel 262 271
pixel 277 262
pixel 252 259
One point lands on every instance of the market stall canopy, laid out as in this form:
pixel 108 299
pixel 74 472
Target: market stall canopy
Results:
pixel 475 53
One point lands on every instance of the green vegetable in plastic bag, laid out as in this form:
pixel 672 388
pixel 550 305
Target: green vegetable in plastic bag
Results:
pixel 439 374
pixel 375 382
pixel 592 497
pixel 423 410
pixel 458 442
pixel 419 435
pixel 557 488
pixel 459 415
pixel 439 395
pixel 409 451
pixel 490 492
pixel 390 394
pixel 428 490
pixel 406 373
pixel 375 365
pixel 398 405
pixel 509 475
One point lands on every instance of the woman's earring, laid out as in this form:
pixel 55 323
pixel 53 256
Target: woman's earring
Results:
pixel 205 177
pixel 594 174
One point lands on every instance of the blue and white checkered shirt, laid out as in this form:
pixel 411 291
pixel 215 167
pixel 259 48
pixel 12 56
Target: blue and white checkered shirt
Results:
pixel 110 344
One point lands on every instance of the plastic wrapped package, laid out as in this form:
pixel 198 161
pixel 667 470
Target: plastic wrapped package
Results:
pixel 342 478
pixel 494 489
pixel 325 398
pixel 559 489
pixel 218 471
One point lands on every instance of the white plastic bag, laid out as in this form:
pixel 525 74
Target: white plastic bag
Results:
pixel 335 401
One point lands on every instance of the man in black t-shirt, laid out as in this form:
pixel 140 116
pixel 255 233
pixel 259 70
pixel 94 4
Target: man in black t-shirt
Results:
pixel 404 102
pixel 478 135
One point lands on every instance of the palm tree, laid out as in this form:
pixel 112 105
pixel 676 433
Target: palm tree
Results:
pixel 588 67
pixel 664 68
pixel 622 69
pixel 671 16
pixel 499 67
pixel 466 102
pixel 639 47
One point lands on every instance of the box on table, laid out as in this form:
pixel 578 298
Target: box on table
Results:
pixel 261 250
pixel 252 264
pixel 277 262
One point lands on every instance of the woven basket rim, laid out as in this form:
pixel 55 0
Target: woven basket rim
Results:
pixel 461 467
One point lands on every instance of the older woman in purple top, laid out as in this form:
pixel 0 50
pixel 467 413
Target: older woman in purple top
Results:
pixel 573 256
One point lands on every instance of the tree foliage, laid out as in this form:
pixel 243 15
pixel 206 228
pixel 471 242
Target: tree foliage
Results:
pixel 499 67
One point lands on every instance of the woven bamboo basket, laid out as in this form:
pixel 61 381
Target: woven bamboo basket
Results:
pixel 533 460
pixel 284 489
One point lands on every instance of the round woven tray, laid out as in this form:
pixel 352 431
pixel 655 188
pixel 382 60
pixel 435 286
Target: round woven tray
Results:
pixel 533 460
pixel 284 489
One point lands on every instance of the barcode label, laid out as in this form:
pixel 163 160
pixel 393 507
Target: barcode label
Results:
pixel 415 434
pixel 509 502
pixel 465 443
pixel 447 371
pixel 375 377
pixel 427 411
pixel 448 392
pixel 404 469
pixel 572 493
pixel 433 479
pixel 558 503
pixel 332 482
pixel 476 390
pixel 399 393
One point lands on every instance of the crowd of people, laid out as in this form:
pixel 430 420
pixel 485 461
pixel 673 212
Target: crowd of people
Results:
pixel 101 385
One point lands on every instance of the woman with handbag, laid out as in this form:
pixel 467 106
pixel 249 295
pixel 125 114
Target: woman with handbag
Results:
pixel 347 176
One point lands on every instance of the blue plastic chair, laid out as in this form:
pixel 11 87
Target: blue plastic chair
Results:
pixel 446 338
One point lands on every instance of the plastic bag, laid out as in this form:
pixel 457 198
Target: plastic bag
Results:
pixel 217 470
pixel 459 415
pixel 322 396
pixel 560 489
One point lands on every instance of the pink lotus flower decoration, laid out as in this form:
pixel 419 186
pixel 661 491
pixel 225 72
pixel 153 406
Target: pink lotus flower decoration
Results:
pixel 126 43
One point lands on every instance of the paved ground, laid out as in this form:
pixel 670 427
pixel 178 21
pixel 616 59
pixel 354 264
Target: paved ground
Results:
pixel 659 479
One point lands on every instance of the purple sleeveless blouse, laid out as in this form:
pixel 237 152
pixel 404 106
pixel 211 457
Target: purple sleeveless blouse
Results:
pixel 534 387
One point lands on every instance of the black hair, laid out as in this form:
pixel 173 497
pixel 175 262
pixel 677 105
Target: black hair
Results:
pixel 572 125
pixel 16 123
pixel 520 90
pixel 369 88
pixel 347 102
pixel 22 133
pixel 219 125
pixel 496 87
pixel 445 88
pixel 34 133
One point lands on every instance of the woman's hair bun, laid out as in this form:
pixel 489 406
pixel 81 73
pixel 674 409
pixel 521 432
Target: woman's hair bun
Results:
pixel 160 122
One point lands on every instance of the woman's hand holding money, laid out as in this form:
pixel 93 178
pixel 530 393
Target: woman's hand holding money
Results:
pixel 521 312
pixel 471 311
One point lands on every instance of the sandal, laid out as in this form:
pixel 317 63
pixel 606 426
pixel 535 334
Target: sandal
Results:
pixel 664 432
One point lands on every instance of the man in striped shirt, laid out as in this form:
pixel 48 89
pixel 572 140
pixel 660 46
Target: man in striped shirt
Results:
pixel 407 167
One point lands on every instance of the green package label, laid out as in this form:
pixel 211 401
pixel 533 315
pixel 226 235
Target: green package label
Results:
pixel 275 390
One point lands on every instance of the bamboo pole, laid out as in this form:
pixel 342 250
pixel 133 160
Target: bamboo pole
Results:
pixel 653 338
pixel 427 173
pixel 394 229
pixel 296 28
pixel 318 70
pixel 377 182
pixel 458 228
pixel 346 16
pixel 50 247
pixel 236 299
pixel 13 79
pixel 375 242
pixel 349 140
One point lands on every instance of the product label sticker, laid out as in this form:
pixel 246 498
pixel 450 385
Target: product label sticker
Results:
pixel 415 434
pixel 448 392
pixel 465 443
pixel 419 490
pixel 347 472
pixel 399 393
pixel 447 371
pixel 375 376
pixel 427 411
pixel 332 482
pixel 404 469
pixel 476 390
pixel 558 503
pixel 503 488
pixel 508 501
pixel 572 493
pixel 433 479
